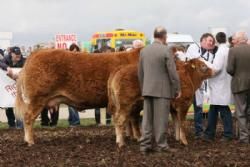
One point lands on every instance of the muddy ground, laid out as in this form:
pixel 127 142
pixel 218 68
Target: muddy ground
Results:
pixel 95 146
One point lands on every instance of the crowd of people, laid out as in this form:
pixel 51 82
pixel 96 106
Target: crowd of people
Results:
pixel 159 82
pixel 228 85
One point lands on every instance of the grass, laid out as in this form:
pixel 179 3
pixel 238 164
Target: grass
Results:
pixel 62 123
pixel 3 125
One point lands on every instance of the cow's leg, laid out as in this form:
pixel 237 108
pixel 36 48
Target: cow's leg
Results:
pixel 29 118
pixel 176 124
pixel 120 120
pixel 182 117
pixel 135 121
pixel 129 132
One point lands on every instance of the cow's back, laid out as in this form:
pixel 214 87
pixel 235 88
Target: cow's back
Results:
pixel 79 79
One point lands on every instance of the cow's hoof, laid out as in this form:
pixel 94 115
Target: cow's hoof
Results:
pixel 184 143
pixel 30 144
pixel 120 149
pixel 120 146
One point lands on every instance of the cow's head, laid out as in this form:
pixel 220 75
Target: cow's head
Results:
pixel 199 69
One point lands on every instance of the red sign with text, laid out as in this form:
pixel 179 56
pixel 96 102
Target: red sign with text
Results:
pixel 63 41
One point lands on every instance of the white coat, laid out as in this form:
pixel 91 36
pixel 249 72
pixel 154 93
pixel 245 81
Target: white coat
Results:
pixel 220 84
pixel 194 51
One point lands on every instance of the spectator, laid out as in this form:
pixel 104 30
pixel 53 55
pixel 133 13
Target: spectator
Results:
pixel 7 52
pixel 230 39
pixel 74 48
pixel 220 92
pixel 203 50
pixel 14 59
pixel 157 66
pixel 238 67
pixel 138 43
pixel 23 51
pixel 29 51
pixel 52 121
pixel 121 48
pixel 105 49
pixel 97 51
pixel 97 116
pixel 1 54
pixel 97 110
pixel 74 119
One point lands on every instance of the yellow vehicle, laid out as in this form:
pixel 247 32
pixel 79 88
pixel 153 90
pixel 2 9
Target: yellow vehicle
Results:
pixel 116 38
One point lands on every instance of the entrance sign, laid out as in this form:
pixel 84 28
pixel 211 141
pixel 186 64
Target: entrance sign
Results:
pixel 63 41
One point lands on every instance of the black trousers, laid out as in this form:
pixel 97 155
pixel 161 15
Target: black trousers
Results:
pixel 46 121
pixel 11 117
pixel 98 116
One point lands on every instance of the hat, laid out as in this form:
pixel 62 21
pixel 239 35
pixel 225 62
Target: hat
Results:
pixel 16 50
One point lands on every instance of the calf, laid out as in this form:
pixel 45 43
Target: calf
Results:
pixel 51 77
pixel 125 100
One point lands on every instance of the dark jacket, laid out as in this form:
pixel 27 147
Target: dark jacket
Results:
pixel 7 62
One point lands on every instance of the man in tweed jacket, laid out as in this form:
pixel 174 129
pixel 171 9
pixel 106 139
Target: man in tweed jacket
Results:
pixel 159 82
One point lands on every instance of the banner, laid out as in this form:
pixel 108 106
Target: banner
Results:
pixel 63 41
pixel 7 90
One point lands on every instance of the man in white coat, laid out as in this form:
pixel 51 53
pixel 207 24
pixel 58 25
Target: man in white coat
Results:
pixel 220 92
pixel 205 51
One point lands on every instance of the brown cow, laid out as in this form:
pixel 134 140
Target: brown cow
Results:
pixel 125 100
pixel 51 77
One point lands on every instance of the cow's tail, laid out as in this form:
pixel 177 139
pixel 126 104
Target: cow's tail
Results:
pixel 113 104
pixel 21 103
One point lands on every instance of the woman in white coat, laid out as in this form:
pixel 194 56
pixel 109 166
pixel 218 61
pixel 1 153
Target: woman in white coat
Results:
pixel 220 92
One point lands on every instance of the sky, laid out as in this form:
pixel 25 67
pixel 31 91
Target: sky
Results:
pixel 35 21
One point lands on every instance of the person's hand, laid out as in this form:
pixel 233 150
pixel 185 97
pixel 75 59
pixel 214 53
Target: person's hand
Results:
pixel 178 95
pixel 9 72
pixel 15 76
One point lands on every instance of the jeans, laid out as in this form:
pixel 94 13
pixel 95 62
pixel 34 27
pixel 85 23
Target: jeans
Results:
pixel 73 117
pixel 226 117
pixel 11 119
pixel 19 124
pixel 197 119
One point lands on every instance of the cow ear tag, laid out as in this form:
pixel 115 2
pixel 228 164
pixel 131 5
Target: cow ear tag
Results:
pixel 193 66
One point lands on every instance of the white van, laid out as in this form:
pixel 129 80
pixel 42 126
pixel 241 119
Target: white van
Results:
pixel 178 39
